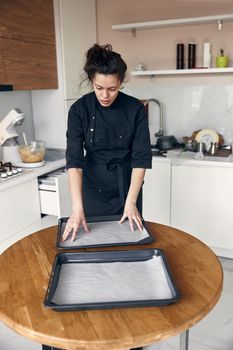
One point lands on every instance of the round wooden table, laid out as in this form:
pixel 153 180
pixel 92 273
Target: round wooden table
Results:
pixel 25 272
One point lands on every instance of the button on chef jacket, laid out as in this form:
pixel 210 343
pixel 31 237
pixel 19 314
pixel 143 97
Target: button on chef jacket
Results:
pixel 107 142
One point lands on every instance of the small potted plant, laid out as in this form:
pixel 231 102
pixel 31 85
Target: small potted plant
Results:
pixel 222 60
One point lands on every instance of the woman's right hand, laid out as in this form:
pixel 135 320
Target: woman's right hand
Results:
pixel 76 220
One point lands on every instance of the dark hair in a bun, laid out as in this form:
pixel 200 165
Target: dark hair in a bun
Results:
pixel 103 60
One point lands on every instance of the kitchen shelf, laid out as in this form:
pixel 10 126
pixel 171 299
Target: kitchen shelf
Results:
pixel 175 22
pixel 182 71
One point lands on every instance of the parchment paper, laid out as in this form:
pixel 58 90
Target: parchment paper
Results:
pixel 110 282
pixel 108 232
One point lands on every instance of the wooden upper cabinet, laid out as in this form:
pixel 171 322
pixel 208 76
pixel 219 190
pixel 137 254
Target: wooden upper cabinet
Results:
pixel 30 66
pixel 2 71
pixel 27 44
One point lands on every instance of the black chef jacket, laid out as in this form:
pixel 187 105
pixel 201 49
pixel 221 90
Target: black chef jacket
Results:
pixel 107 142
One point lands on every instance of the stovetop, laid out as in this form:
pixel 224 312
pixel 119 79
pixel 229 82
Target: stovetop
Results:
pixel 8 171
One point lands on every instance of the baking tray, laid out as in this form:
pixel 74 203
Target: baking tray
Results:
pixel 104 231
pixel 112 279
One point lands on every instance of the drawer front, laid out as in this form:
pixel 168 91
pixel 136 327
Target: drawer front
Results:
pixel 49 203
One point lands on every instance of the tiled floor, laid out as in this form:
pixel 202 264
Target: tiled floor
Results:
pixel 214 332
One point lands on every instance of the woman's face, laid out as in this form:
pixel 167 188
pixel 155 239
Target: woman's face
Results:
pixel 106 87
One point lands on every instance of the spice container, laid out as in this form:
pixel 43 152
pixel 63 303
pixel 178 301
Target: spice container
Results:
pixel 206 55
pixel 191 55
pixel 180 56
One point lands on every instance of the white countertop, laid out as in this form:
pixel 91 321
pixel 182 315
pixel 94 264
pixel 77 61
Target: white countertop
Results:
pixel 29 174
pixel 174 157
pixel 179 157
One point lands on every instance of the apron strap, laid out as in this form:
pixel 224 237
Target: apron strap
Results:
pixel 122 178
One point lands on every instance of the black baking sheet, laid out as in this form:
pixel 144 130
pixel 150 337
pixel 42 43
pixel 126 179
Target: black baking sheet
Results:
pixel 104 231
pixel 112 279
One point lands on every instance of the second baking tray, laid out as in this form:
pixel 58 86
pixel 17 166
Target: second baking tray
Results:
pixel 104 231
pixel 112 279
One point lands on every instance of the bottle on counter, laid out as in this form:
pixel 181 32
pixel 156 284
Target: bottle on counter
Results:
pixel 206 55
pixel 180 56
pixel 191 55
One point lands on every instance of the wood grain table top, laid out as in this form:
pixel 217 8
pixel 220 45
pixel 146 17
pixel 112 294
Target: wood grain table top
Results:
pixel 25 270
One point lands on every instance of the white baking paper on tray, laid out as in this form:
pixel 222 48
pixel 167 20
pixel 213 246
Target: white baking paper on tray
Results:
pixel 81 283
pixel 107 232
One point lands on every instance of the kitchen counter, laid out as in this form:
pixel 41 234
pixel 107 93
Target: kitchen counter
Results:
pixel 55 159
pixel 180 157
pixel 52 162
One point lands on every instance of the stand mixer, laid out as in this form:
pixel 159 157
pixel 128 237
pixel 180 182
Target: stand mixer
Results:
pixel 9 136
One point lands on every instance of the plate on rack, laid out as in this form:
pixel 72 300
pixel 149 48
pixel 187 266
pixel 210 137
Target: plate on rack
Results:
pixel 207 136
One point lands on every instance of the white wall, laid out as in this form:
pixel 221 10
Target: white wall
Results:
pixel 189 107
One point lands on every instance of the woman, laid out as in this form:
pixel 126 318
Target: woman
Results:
pixel 112 128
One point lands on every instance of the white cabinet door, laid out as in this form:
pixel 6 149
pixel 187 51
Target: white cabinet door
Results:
pixel 156 193
pixel 20 208
pixel 202 202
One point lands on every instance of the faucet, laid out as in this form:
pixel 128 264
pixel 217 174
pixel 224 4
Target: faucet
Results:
pixel 160 132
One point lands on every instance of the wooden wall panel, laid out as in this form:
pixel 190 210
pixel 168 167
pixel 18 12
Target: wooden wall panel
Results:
pixel 27 44
pixel 29 65
pixel 27 20
pixel 2 72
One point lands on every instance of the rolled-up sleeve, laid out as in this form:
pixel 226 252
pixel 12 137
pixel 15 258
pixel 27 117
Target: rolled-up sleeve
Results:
pixel 141 148
pixel 75 138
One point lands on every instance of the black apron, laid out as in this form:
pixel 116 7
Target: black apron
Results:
pixel 105 183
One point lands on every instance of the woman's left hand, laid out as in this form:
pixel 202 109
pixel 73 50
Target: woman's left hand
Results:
pixel 131 212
